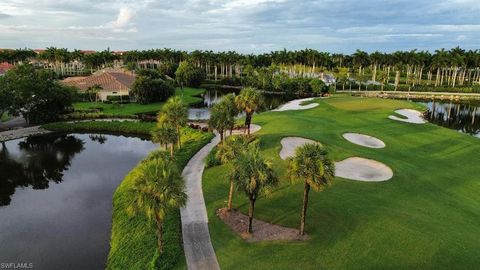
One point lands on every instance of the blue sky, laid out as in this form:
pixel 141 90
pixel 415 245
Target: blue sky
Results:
pixel 246 26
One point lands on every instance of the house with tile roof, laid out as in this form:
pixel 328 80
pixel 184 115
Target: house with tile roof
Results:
pixel 4 67
pixel 111 83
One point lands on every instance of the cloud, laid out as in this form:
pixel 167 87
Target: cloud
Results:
pixel 124 18
pixel 243 25
pixel 4 16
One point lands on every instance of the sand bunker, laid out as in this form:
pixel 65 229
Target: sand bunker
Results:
pixel 296 105
pixel 364 140
pixel 361 169
pixel 290 144
pixel 413 116
pixel 253 128
pixel 262 231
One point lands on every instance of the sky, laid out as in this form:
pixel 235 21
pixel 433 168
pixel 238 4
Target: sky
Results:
pixel 246 26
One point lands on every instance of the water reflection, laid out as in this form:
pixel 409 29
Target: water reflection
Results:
pixel 38 161
pixel 213 96
pixel 56 194
pixel 464 117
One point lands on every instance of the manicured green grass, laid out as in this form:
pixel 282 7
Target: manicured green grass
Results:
pixel 133 242
pixel 130 127
pixel 426 217
pixel 189 96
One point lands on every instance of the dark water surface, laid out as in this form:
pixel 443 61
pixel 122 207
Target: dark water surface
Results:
pixel 213 96
pixel 56 197
pixel 461 116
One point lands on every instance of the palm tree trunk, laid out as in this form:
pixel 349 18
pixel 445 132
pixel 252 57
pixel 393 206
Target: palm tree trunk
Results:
pixel 304 208
pixel 171 149
pixel 248 121
pixel 230 195
pixel 251 209
pixel 221 135
pixel 159 232
pixel 178 139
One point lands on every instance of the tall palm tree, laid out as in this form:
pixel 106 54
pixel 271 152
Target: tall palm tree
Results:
pixel 175 113
pixel 249 100
pixel 312 165
pixel 165 134
pixel 219 119
pixel 255 176
pixel 158 189
pixel 233 147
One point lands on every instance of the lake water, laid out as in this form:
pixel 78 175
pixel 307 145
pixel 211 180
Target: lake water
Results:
pixel 202 110
pixel 463 117
pixel 56 197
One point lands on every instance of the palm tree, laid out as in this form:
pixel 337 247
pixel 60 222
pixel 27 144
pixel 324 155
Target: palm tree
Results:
pixel 311 165
pixel 175 113
pixel 165 134
pixel 219 119
pixel 249 100
pixel 233 147
pixel 255 176
pixel 158 189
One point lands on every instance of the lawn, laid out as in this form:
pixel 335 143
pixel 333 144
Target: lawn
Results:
pixel 189 96
pixel 426 217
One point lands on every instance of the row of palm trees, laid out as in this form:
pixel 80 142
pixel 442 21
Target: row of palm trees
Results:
pixel 441 68
pixel 159 187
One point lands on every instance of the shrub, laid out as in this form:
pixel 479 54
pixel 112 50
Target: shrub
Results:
pixel 211 160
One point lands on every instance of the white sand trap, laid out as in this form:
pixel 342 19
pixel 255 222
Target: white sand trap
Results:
pixel 364 140
pixel 362 169
pixel 290 144
pixel 253 128
pixel 413 116
pixel 296 105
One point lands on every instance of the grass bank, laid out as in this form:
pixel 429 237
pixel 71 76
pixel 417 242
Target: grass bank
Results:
pixel 425 217
pixel 189 96
pixel 124 127
pixel 133 242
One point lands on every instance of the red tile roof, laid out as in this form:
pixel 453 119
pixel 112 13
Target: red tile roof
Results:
pixel 4 67
pixel 109 81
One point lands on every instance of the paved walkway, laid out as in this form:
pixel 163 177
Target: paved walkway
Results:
pixel 196 237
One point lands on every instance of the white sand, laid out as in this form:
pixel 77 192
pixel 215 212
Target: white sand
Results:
pixel 253 128
pixel 290 144
pixel 413 116
pixel 296 105
pixel 361 169
pixel 364 140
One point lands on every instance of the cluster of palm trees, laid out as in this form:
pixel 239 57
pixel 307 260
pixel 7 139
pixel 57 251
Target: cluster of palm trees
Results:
pixel 172 117
pixel 450 68
pixel 252 173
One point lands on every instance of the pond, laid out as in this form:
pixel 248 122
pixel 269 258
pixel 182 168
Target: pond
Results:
pixel 461 116
pixel 56 197
pixel 201 111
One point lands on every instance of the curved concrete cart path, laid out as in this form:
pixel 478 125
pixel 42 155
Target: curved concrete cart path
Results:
pixel 196 237
pixel 290 144
pixel 364 140
pixel 412 116
pixel 296 105
pixel 362 169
